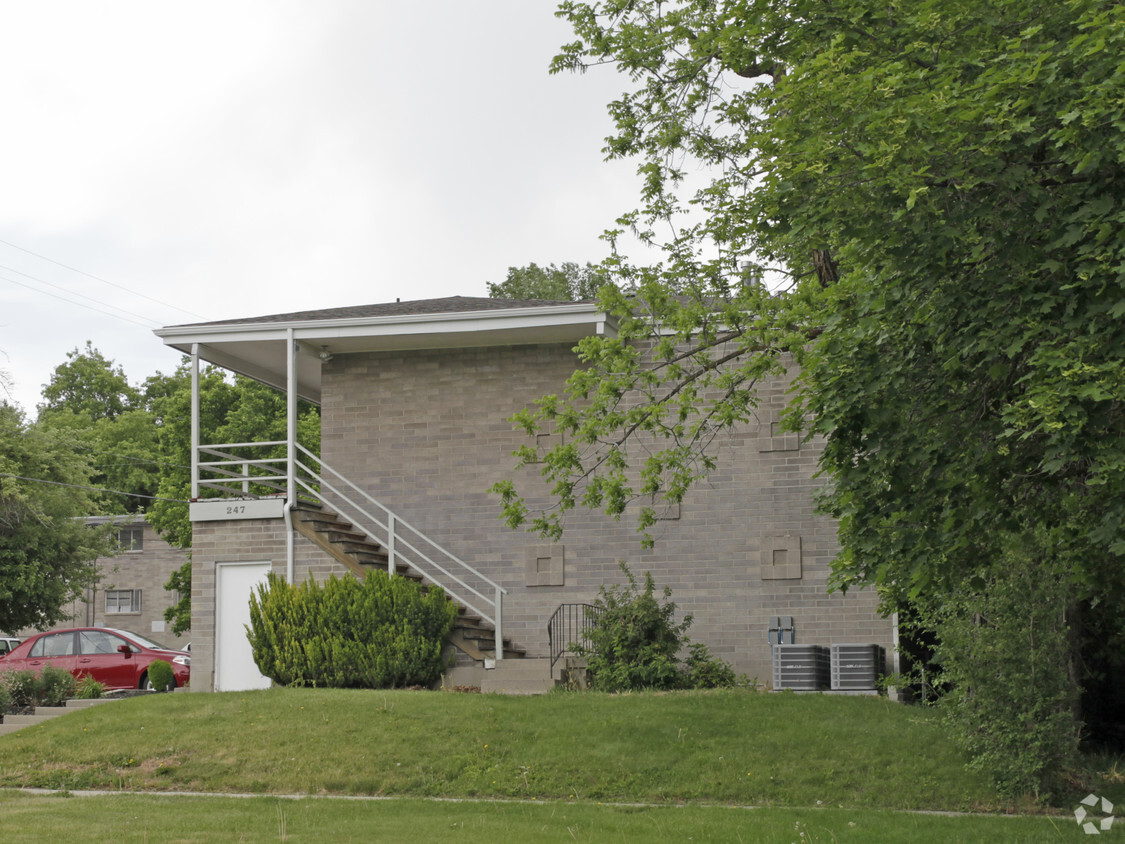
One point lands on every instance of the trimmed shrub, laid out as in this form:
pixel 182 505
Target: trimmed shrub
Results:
pixel 381 632
pixel 23 687
pixel 161 676
pixel 635 642
pixel 56 686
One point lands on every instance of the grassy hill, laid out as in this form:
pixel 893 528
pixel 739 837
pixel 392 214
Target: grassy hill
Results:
pixel 858 756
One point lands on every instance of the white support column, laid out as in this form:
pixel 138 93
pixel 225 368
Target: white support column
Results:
pixel 291 350
pixel 194 421
pixel 392 531
pixel 291 415
pixel 499 625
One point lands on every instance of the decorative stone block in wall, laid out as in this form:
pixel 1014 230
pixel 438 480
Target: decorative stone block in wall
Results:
pixel 545 565
pixel 781 558
pixel 665 511
pixel 772 438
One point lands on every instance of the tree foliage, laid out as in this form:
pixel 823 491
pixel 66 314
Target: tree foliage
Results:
pixel 89 399
pixel 179 613
pixel 89 385
pixel 1007 656
pixel 46 549
pixel 568 283
pixel 138 438
pixel 932 192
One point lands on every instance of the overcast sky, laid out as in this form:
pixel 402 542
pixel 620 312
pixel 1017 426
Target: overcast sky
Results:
pixel 216 160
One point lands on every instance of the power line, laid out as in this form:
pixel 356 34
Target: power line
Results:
pixel 79 304
pixel 74 293
pixel 104 281
pixel 94 488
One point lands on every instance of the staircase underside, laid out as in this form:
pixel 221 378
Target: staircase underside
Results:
pixel 352 548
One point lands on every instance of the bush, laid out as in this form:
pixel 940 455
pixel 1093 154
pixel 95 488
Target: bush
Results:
pixel 23 687
pixel 635 642
pixel 1005 650
pixel 381 632
pixel 89 688
pixel 161 676
pixel 56 686
pixel 704 671
pixel 5 698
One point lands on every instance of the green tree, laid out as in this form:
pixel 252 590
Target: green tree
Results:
pixel 568 283
pixel 933 192
pixel 89 385
pixel 46 549
pixel 90 399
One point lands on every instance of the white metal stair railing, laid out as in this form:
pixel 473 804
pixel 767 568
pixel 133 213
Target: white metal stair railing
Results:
pixel 234 475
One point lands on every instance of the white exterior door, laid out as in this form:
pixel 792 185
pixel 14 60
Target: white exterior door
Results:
pixel 235 670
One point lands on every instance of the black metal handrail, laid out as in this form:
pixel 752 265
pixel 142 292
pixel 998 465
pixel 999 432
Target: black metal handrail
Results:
pixel 570 624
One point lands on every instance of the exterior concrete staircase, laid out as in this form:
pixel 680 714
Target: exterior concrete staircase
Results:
pixel 472 637
pixel 12 723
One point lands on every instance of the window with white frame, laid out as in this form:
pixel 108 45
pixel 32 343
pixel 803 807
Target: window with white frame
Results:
pixel 122 600
pixel 131 539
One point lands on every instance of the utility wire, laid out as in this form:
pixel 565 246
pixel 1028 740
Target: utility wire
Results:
pixel 79 304
pixel 103 281
pixel 75 293
pixel 94 488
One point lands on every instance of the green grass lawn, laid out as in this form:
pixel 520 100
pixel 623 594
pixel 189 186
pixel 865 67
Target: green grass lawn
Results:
pixel 153 818
pixel 840 765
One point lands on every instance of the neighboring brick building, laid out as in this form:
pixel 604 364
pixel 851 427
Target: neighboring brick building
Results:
pixel 415 398
pixel 130 593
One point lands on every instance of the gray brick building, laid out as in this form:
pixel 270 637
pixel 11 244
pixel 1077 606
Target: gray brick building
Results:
pixel 415 398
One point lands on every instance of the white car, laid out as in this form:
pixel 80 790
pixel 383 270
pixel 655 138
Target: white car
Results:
pixel 8 644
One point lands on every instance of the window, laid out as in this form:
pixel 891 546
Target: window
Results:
pixel 131 539
pixel 92 642
pixel 122 600
pixel 57 644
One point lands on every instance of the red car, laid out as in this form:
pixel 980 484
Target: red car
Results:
pixel 117 658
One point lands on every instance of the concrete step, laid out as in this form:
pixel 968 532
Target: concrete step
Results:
pixel 12 723
pixel 518 677
pixel 84 703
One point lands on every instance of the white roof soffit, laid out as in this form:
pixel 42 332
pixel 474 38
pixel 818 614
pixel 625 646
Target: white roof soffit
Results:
pixel 257 349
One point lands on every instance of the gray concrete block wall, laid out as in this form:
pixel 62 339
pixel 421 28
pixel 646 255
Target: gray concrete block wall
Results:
pixel 240 541
pixel 426 433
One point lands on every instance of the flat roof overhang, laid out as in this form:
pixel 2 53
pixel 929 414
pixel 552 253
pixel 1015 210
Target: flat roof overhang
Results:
pixel 257 349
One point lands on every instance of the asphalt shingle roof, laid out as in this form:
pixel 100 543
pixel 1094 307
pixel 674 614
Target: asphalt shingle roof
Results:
pixel 447 305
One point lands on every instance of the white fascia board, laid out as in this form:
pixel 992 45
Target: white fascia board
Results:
pixel 513 319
